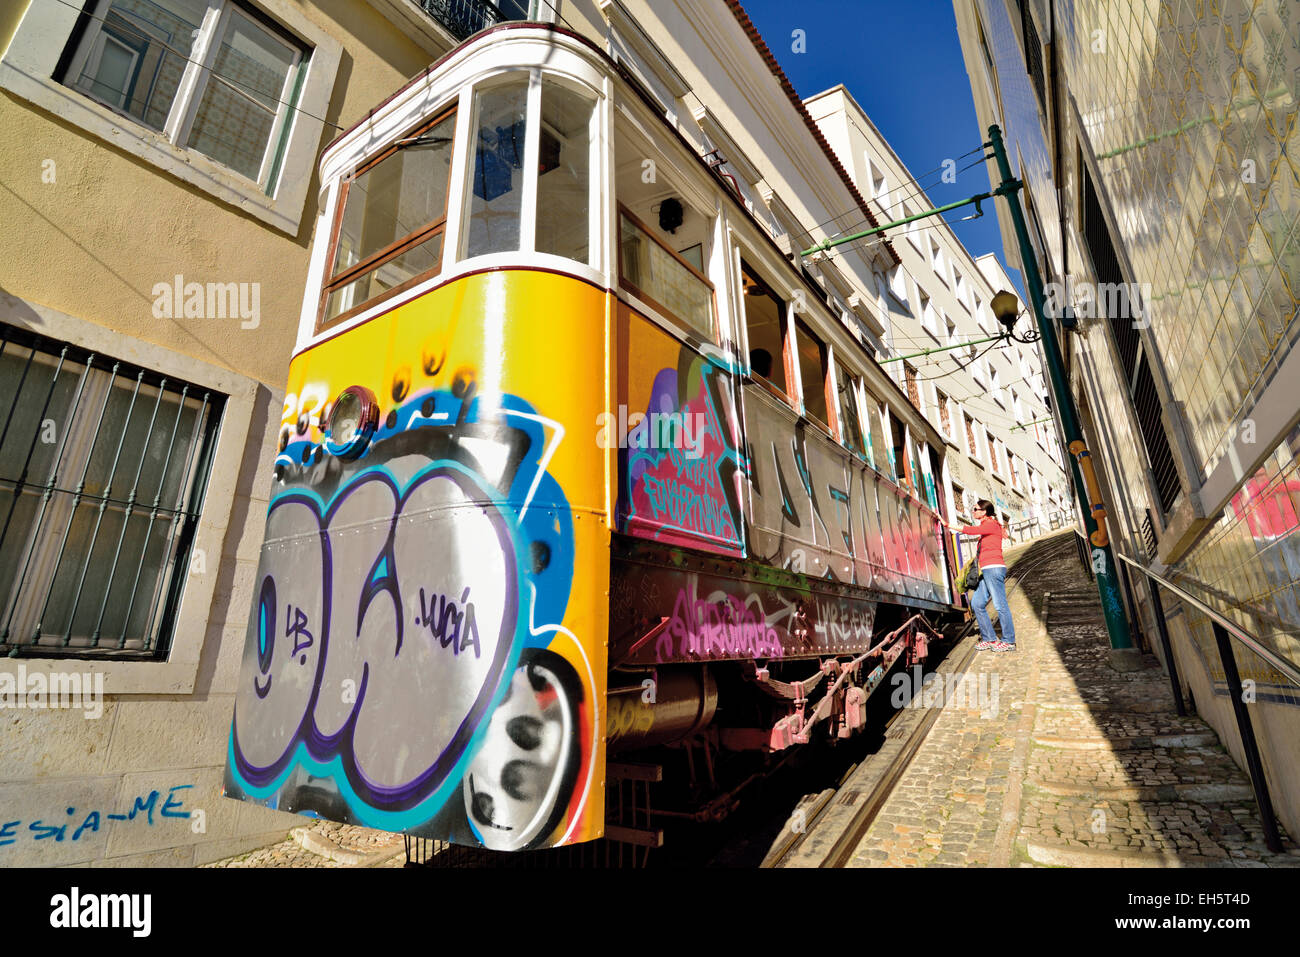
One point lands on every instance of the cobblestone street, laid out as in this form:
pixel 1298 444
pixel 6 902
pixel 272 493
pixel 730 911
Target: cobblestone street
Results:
pixel 1079 765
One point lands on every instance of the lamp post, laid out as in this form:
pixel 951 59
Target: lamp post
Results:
pixel 1005 308
pixel 1004 305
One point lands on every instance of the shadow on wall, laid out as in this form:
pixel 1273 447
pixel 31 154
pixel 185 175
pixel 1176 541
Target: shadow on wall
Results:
pixel 230 607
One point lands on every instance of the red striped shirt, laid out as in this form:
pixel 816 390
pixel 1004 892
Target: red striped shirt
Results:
pixel 990 533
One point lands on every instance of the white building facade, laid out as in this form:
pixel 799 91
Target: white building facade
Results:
pixel 988 399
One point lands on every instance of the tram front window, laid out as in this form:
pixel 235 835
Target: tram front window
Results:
pixel 497 173
pixel 390 231
pixel 564 174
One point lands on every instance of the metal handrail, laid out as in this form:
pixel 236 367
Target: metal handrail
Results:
pixel 1284 666
pixel 1224 632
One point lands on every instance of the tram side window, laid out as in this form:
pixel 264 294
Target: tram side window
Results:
pixel 850 423
pixel 876 448
pixel 564 174
pixel 765 323
pixel 496 174
pixel 394 210
pixel 898 443
pixel 812 373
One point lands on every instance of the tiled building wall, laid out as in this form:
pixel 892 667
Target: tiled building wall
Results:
pixel 1189 112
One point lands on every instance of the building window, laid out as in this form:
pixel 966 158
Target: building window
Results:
pixel 106 464
pixel 878 186
pixel 971 448
pixel 210 75
pixel 926 308
pixel 912 229
pixel 898 283
pixel 393 212
pixel 913 389
pixel 464 18
pixel 995 386
pixel 1011 466
pixel 936 259
pixel 944 420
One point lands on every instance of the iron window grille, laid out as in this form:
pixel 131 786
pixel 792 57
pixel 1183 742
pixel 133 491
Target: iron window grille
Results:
pixel 1135 367
pixel 103 468
pixel 464 18
pixel 1034 53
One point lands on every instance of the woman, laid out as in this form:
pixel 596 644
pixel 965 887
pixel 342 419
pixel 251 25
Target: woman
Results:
pixel 993 580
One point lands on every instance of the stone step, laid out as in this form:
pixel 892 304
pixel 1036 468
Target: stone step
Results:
pixel 321 845
pixel 1127 743
pixel 1206 794
pixel 1115 708
pixel 1065 855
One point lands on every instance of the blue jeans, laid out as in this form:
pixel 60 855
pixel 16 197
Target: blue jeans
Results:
pixel 993 585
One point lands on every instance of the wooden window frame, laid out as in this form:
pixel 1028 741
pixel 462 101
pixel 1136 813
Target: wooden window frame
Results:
pixel 625 283
pixel 852 381
pixel 799 327
pixel 785 396
pixel 394 249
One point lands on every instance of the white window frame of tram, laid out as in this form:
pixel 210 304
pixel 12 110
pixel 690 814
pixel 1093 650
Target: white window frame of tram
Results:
pixel 29 69
pixel 473 67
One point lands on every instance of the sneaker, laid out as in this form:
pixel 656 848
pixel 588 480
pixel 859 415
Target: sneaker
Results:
pixel 1002 646
pixel 984 645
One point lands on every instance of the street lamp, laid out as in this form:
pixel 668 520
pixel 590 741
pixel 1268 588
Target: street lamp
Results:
pixel 1006 309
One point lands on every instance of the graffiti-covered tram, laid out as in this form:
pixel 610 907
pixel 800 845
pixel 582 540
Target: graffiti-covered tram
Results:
pixel 573 463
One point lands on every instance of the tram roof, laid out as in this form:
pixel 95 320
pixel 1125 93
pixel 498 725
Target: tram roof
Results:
pixel 750 31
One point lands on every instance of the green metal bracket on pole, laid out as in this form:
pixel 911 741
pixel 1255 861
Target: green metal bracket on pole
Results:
pixel 1103 561
pixel 1024 425
pixel 927 352
pixel 826 244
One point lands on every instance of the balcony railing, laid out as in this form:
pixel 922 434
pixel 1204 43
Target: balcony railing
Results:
pixel 464 18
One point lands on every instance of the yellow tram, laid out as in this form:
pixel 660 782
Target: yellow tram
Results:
pixel 561 468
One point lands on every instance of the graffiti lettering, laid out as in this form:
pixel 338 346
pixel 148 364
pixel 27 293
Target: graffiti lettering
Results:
pixel 686 508
pixel 403 545
pixel 722 625
pixel 626 714
pixel 92 821
pixel 446 623
pixel 681 494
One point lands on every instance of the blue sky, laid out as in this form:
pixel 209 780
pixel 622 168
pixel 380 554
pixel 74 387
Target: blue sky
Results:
pixel 902 62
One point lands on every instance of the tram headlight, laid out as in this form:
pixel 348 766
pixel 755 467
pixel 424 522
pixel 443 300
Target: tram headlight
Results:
pixel 352 421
